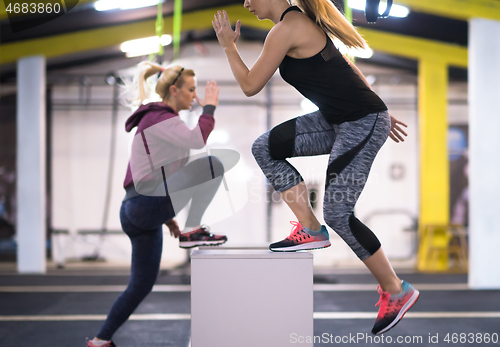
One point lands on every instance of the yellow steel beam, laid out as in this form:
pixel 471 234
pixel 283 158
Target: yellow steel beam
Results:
pixel 457 9
pixel 406 46
pixel 62 44
pixel 434 169
pixel 414 47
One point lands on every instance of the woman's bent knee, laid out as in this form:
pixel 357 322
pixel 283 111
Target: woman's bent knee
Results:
pixel 260 145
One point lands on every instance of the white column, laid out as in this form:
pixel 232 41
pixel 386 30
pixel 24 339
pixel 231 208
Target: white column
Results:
pixel 484 159
pixel 31 233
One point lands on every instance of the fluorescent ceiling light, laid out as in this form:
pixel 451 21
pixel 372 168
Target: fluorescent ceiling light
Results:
pixel 353 52
pixel 105 5
pixel 145 46
pixel 396 10
pixel 360 53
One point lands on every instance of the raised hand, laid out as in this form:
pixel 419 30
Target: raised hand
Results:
pixel 396 131
pixel 211 94
pixel 223 30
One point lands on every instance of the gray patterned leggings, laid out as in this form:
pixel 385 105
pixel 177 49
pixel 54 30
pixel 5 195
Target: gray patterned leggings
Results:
pixel 352 147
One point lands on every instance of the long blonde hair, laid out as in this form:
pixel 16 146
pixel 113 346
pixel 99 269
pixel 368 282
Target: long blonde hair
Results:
pixel 328 17
pixel 167 77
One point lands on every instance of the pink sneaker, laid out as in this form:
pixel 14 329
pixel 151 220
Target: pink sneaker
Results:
pixel 201 237
pixel 302 239
pixel 393 307
pixel 107 344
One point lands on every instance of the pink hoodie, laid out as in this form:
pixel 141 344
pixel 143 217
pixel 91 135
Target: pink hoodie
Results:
pixel 165 137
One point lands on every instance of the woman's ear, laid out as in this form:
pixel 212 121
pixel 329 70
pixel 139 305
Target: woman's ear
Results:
pixel 173 90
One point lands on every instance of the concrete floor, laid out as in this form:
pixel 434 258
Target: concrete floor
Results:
pixel 65 306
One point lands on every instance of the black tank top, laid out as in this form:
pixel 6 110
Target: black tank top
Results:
pixel 330 83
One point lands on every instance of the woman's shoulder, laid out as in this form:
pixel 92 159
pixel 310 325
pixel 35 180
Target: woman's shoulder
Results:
pixel 295 20
pixel 307 37
pixel 299 24
pixel 157 114
pixel 292 26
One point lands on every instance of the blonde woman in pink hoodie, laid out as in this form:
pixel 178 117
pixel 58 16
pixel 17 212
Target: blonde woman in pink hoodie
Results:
pixel 160 182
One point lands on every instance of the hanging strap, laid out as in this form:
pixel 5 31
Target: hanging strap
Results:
pixel 159 31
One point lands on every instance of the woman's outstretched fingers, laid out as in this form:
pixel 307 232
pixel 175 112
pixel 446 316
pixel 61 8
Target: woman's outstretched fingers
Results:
pixel 394 138
pixel 225 17
pixel 237 30
pixel 217 21
pixel 400 130
pixel 400 122
pixel 396 132
pixel 219 18
pixel 397 137
pixel 211 93
pixel 222 26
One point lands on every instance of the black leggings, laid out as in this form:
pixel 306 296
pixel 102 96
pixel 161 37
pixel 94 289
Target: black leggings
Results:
pixel 352 147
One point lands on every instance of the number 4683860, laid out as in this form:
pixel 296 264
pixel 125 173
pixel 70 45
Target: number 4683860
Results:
pixel 33 7
pixel 471 338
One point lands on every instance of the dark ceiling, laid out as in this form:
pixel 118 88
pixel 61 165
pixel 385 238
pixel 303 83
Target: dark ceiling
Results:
pixel 85 17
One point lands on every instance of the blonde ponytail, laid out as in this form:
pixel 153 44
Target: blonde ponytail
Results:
pixel 168 75
pixel 328 17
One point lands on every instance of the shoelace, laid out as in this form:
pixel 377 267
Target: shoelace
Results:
pixel 296 232
pixel 206 229
pixel 383 301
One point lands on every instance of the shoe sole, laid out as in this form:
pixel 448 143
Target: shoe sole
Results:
pixel 401 313
pixel 303 246
pixel 192 244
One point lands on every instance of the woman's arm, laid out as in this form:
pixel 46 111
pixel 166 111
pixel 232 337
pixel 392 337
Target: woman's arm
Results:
pixel 176 132
pixel 276 46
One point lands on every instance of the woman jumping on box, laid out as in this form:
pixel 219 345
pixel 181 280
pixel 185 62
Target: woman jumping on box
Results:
pixel 351 125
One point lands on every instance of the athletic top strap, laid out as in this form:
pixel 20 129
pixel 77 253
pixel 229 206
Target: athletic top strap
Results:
pixel 291 8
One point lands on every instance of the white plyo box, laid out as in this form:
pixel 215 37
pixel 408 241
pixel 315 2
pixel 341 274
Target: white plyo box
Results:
pixel 250 298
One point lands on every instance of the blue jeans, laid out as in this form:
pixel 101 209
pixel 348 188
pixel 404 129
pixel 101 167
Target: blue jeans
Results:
pixel 142 218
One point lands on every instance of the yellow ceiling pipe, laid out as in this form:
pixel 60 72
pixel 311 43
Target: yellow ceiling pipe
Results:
pixel 457 9
pixel 80 41
pixel 57 45
pixel 414 47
